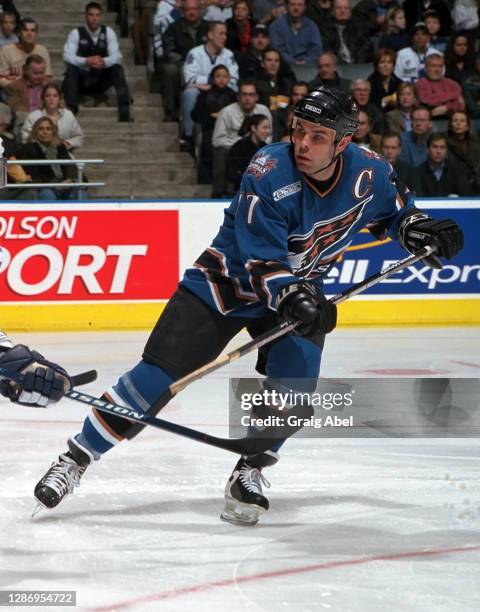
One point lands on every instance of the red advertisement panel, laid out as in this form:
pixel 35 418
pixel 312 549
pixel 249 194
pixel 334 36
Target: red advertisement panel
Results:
pixel 77 255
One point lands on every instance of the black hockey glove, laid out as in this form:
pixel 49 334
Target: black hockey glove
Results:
pixel 43 382
pixel 300 302
pixel 419 230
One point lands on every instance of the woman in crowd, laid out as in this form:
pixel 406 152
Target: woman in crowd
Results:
pixel 44 143
pixel 464 148
pixel 399 119
pixel 255 131
pixel 69 129
pixel 239 27
pixel 384 83
pixel 395 35
pixel 459 58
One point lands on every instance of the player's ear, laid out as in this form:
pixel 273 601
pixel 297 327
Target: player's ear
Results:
pixel 344 142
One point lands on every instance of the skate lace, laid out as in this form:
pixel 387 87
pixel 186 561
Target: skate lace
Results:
pixel 64 475
pixel 253 479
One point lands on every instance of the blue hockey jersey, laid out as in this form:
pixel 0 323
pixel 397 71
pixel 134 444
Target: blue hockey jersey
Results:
pixel 279 228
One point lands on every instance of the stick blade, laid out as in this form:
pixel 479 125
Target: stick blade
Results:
pixel 84 378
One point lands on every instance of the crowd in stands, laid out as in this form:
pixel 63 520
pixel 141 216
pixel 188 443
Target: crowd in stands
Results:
pixel 38 114
pixel 228 66
pixel 231 71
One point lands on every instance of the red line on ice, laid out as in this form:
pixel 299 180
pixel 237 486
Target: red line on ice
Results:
pixel 226 582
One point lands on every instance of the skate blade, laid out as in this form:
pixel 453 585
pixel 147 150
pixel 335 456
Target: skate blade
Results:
pixel 238 513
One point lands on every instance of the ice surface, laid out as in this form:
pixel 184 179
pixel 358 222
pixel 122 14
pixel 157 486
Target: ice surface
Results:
pixel 355 525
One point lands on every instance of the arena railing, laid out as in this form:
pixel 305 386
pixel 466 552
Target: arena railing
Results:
pixel 80 163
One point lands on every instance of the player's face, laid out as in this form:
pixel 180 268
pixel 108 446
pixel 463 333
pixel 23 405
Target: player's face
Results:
pixel 312 145
pixel 93 18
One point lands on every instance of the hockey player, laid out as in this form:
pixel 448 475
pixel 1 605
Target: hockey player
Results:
pixel 298 208
pixel 43 382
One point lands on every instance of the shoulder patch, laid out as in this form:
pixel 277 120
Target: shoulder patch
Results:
pixel 286 191
pixel 261 165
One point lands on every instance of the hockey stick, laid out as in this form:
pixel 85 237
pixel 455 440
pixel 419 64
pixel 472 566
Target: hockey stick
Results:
pixel 243 446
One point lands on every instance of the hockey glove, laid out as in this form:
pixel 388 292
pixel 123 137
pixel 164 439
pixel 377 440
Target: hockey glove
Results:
pixel 419 230
pixel 43 382
pixel 300 302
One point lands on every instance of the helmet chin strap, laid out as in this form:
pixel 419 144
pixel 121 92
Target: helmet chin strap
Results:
pixel 333 160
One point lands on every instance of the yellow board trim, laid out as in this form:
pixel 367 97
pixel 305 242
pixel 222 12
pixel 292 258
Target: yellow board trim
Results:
pixel 129 315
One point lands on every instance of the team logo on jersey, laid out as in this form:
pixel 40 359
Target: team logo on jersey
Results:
pixel 261 165
pixel 286 191
pixel 305 251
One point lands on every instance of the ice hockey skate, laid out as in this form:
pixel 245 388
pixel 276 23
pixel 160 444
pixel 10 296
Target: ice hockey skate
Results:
pixel 63 476
pixel 244 498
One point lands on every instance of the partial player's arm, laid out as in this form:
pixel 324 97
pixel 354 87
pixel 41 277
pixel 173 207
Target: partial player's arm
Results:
pixel 42 382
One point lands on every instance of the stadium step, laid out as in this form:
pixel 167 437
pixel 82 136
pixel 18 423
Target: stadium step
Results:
pixel 142 159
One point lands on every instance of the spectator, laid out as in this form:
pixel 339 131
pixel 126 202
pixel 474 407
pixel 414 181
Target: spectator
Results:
pixel 361 90
pixel 319 11
pixel 93 59
pixel 390 148
pixel 370 15
pixel 239 28
pixel 25 95
pixel 9 6
pixel 435 91
pixel 414 142
pixel 15 173
pixel 464 148
pixel 13 57
pixel 399 119
pixel 344 37
pixel 254 133
pixel 296 36
pixel 327 73
pixel 218 10
pixel 250 62
pixel 8 25
pixel 437 41
pixel 225 133
pixel 44 143
pixel 438 177
pixel 410 65
pixel 168 12
pixel 273 90
pixel 265 11
pixel 383 82
pixel 209 103
pixel 140 30
pixel 196 72
pixel 471 90
pixel 180 37
pixel 415 11
pixel 283 117
pixel 362 135
pixel 459 58
pixel 394 33
pixel 69 130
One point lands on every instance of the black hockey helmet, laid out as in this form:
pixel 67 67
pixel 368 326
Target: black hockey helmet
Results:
pixel 331 108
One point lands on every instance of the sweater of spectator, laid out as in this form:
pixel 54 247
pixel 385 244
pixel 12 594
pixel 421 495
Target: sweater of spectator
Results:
pixel 465 15
pixel 459 58
pixel 218 10
pixel 464 148
pixel 168 12
pixel 296 36
pixel 265 11
pixel 390 148
pixel 244 149
pixel 384 83
pixel 273 89
pixel 24 94
pixel 344 37
pixel 414 142
pixel 327 75
pixel 437 40
pixel 394 34
pixel 437 92
pixel 410 64
pixel 239 28
pixel 399 119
